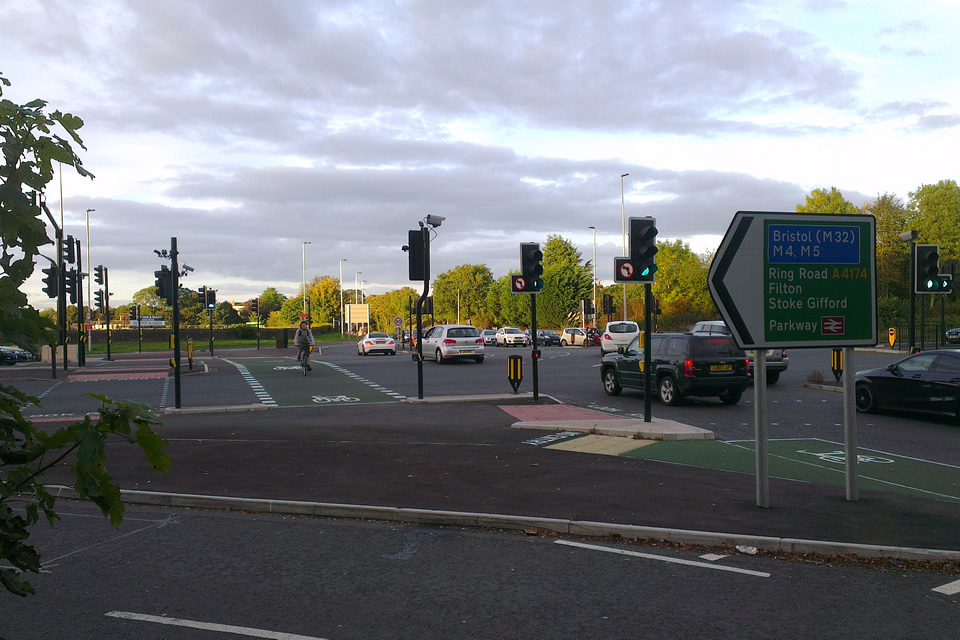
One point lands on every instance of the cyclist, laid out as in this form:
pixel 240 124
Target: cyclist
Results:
pixel 304 341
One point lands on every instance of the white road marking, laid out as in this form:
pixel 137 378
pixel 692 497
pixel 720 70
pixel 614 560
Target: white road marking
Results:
pixel 650 556
pixel 210 626
pixel 949 589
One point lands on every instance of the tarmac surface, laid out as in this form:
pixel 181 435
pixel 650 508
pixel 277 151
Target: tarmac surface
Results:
pixel 381 462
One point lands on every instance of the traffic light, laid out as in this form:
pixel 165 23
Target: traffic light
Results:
pixel 99 297
pixel 531 266
pixel 164 283
pixel 98 274
pixel 67 254
pixel 945 283
pixel 255 307
pixel 210 298
pixel 643 248
pixel 51 282
pixel 71 279
pixel 927 268
pixel 607 304
pixel 418 254
pixel 133 313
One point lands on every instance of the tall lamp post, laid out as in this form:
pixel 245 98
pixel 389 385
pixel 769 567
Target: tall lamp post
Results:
pixel 303 263
pixel 594 283
pixel 89 275
pixel 623 223
pixel 342 260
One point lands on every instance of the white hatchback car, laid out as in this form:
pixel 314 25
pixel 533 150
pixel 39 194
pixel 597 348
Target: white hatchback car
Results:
pixel 446 342
pixel 618 334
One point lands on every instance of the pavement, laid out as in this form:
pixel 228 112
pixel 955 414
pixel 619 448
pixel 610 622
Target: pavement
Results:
pixel 379 462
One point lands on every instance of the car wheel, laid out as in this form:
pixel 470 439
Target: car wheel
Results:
pixel 669 395
pixel 730 397
pixel 479 359
pixel 610 383
pixel 439 355
pixel 772 377
pixel 866 398
pixel 563 343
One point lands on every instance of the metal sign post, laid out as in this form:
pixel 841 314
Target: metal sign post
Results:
pixel 789 280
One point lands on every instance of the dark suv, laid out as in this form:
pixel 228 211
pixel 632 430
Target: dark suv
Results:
pixel 777 360
pixel 684 364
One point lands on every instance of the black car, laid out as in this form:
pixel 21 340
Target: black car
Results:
pixel 684 364
pixel 548 338
pixel 927 382
pixel 8 355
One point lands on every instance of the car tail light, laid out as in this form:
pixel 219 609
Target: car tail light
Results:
pixel 449 341
pixel 479 341
pixel 606 336
pixel 688 368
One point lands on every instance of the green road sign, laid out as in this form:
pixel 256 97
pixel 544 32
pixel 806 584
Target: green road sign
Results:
pixel 797 280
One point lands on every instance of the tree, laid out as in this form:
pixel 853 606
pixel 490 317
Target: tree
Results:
pixel 566 281
pixel 270 300
pixel 681 285
pixel 893 254
pixel 29 145
pixel 823 201
pixel 934 211
pixel 461 292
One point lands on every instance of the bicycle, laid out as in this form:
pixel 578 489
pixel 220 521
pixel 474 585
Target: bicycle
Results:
pixel 303 361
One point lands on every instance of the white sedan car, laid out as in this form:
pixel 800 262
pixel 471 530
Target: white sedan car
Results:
pixel 618 334
pixel 376 343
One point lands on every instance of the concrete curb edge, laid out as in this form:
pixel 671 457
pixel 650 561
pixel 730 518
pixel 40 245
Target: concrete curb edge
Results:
pixel 493 520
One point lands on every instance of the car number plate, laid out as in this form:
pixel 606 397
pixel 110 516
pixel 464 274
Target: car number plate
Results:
pixel 466 350
pixel 721 367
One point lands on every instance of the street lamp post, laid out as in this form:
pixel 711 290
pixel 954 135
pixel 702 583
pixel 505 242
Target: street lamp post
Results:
pixel 303 262
pixel 342 260
pixel 594 283
pixel 89 275
pixel 623 223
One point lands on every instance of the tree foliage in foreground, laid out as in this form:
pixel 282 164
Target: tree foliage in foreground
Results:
pixel 31 141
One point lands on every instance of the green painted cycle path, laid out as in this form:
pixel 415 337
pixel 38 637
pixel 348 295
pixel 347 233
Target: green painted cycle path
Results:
pixel 280 381
pixel 815 460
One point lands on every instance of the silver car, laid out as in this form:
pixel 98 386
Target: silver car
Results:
pixel 446 342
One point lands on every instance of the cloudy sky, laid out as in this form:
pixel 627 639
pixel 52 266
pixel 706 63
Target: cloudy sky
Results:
pixel 247 127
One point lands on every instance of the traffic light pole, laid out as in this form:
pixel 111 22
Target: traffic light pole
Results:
pixel 81 315
pixel 647 358
pixel 426 290
pixel 535 353
pixel 106 308
pixel 175 292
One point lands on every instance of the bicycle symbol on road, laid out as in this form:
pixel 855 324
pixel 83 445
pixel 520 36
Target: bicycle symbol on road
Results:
pixel 329 399
pixel 839 457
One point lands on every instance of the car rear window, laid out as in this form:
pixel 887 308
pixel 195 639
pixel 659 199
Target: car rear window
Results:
pixel 715 345
pixel 623 327
pixel 463 332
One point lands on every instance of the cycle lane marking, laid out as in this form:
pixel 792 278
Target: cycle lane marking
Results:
pixel 328 383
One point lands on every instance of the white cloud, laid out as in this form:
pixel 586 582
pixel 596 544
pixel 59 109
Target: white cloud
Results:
pixel 246 127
